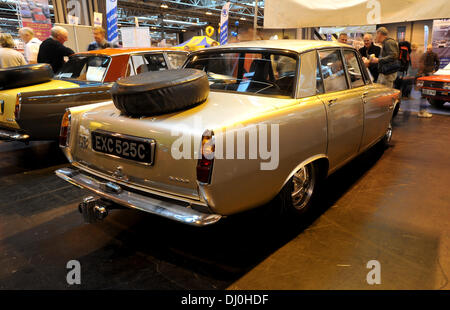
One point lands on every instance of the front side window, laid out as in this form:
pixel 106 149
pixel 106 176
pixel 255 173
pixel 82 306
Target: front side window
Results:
pixel 264 73
pixel 353 69
pixel 332 70
pixel 85 68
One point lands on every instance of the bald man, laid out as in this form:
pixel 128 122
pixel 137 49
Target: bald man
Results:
pixel 430 61
pixel 52 51
pixel 370 49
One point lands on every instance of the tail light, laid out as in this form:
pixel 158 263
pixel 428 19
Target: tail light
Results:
pixel 17 107
pixel 65 130
pixel 205 163
pixel 419 83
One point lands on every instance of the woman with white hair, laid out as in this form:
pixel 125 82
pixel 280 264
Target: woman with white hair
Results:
pixel 52 51
pixel 32 44
pixel 9 57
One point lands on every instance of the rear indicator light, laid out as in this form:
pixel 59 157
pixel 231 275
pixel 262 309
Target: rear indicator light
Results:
pixel 206 162
pixel 65 130
pixel 17 107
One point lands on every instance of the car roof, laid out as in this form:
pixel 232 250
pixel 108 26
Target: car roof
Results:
pixel 127 50
pixel 290 45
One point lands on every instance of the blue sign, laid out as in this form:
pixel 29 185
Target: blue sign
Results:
pixel 224 24
pixel 112 20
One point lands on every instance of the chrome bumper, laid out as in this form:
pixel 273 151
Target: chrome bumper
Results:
pixel 174 210
pixel 13 135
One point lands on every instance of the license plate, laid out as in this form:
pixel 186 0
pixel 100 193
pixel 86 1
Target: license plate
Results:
pixel 430 92
pixel 123 146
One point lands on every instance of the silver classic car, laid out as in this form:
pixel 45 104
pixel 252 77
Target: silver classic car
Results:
pixel 240 125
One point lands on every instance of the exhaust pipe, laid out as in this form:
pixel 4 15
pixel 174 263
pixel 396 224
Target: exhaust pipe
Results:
pixel 93 209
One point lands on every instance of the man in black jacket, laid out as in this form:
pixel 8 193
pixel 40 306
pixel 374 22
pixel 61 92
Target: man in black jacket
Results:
pixel 370 49
pixel 52 51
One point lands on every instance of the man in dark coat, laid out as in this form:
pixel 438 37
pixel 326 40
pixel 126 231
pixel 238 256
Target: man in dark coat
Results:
pixel 430 61
pixel 52 51
pixel 370 49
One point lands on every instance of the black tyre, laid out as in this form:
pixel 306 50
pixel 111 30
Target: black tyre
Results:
pixel 299 194
pixel 15 77
pixel 396 109
pixel 160 92
pixel 385 142
pixel 436 103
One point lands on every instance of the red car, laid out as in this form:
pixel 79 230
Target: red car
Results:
pixel 436 88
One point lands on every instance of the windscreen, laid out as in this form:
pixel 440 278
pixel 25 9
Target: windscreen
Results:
pixel 85 68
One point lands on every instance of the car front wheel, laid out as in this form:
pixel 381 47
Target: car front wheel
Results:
pixel 436 103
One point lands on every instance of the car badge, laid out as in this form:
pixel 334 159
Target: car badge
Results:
pixel 118 173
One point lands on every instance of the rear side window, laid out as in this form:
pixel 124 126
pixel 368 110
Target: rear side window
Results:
pixel 353 69
pixel 332 70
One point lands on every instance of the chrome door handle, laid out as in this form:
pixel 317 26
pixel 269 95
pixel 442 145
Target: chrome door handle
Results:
pixel 332 101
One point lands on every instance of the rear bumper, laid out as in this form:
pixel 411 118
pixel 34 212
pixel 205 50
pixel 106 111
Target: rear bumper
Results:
pixel 6 134
pixel 174 210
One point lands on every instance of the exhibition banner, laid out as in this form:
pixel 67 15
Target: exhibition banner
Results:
pixel 441 40
pixel 36 15
pixel 322 13
pixel 224 23
pixel 112 20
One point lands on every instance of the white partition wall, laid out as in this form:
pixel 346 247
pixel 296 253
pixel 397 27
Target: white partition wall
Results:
pixel 79 37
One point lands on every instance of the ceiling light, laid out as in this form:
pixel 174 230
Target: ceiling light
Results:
pixel 242 18
pixel 164 6
pixel 208 13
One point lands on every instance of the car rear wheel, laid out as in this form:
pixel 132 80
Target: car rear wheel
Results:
pixel 436 103
pixel 299 194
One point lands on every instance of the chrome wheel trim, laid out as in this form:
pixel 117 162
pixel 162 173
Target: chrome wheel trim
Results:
pixel 389 133
pixel 303 187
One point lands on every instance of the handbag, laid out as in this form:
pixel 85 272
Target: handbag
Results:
pixel 390 67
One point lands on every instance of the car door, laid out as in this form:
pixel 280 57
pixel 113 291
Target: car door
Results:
pixel 373 111
pixel 377 106
pixel 344 108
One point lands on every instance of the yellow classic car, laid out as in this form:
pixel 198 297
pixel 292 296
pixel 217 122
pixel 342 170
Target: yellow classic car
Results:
pixel 277 118
pixel 33 101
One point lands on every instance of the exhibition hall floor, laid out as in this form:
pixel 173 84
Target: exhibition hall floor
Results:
pixel 393 207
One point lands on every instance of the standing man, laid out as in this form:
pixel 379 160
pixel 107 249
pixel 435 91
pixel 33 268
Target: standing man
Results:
pixel 388 63
pixel 52 51
pixel 100 40
pixel 429 64
pixel 343 38
pixel 367 51
pixel 430 61
pixel 32 44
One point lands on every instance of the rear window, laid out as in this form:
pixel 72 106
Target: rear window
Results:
pixel 85 68
pixel 265 73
